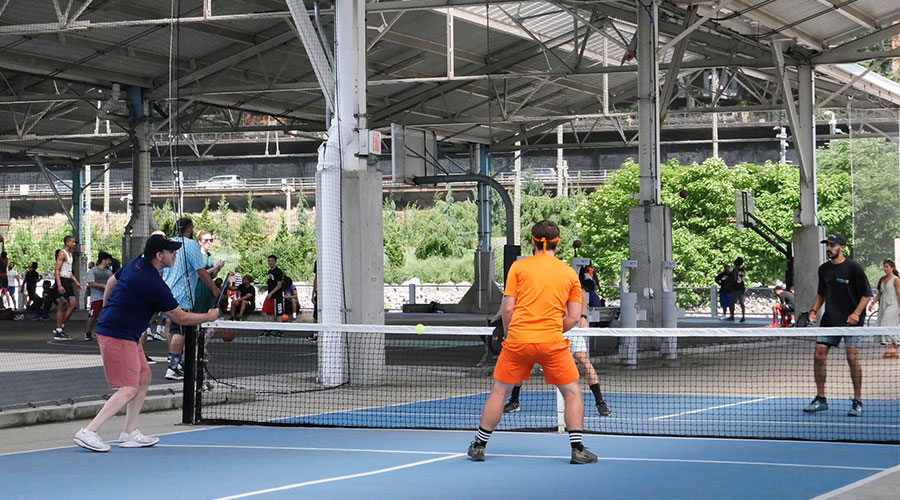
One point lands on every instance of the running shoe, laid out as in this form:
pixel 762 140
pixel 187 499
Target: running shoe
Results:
pixel 90 440
pixel 175 374
pixel 855 408
pixel 602 409
pixel 511 407
pixel 476 451
pixel 817 404
pixel 136 440
pixel 582 456
pixel 772 325
pixel 60 335
pixel 88 337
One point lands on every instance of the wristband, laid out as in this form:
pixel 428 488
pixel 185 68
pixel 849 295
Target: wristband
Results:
pixel 584 316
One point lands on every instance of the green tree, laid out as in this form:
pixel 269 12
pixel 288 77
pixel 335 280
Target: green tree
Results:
pixel 252 243
pixel 165 217
pixel 874 197
pixel 204 221
pixel 702 203
pixel 222 222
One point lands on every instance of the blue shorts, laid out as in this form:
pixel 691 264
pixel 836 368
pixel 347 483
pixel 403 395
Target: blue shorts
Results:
pixel 835 340
pixel 725 299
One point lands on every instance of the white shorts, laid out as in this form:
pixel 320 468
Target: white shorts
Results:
pixel 577 343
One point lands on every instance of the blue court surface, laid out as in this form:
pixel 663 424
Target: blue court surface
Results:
pixel 285 463
pixel 647 414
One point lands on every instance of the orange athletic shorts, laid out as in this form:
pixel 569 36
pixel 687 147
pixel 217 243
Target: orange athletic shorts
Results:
pixel 516 361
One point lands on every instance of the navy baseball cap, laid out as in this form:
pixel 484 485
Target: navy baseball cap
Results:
pixel 835 239
pixel 158 243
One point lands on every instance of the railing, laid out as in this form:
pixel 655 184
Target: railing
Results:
pixel 576 178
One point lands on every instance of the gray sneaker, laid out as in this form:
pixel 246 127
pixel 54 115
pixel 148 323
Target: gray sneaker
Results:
pixel 855 408
pixel 583 456
pixel 476 452
pixel 817 404
pixel 136 440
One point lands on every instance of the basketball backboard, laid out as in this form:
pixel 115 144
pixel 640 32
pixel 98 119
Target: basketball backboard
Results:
pixel 413 153
pixel 743 208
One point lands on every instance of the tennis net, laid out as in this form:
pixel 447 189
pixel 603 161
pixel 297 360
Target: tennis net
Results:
pixel 712 382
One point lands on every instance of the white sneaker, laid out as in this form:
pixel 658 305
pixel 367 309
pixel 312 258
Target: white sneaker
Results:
pixel 90 440
pixel 136 440
pixel 174 374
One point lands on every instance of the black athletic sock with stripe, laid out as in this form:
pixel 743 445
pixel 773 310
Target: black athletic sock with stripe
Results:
pixel 483 436
pixel 575 440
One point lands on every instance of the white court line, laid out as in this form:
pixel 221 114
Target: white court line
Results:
pixel 513 455
pixel 301 448
pixel 712 408
pixel 857 484
pixel 340 478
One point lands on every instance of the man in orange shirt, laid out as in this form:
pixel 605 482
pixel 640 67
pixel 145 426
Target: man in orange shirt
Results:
pixel 542 300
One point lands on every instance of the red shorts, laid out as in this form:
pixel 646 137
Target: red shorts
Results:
pixel 516 361
pixel 270 305
pixel 96 306
pixel 123 361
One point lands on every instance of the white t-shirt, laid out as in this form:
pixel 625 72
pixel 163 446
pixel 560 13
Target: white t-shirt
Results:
pixel 13 277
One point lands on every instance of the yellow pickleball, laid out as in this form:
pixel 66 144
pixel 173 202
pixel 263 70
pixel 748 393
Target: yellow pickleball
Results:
pixel 420 328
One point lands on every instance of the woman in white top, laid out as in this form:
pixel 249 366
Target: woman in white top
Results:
pixel 888 300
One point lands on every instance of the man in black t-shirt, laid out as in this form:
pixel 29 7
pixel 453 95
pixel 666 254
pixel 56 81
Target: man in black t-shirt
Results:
pixel 845 292
pixel 784 307
pixel 738 274
pixel 272 305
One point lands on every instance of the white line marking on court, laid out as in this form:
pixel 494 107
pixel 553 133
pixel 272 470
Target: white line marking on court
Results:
pixel 341 478
pixel 513 455
pixel 299 448
pixel 857 484
pixel 712 408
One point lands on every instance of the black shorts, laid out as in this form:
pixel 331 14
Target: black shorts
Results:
pixel 4 281
pixel 176 329
pixel 68 287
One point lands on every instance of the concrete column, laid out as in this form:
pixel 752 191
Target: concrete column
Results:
pixel 517 197
pixel 650 224
pixel 79 266
pixel 362 238
pixel 807 249
pixel 362 235
pixel 350 91
pixel 484 201
pixel 141 222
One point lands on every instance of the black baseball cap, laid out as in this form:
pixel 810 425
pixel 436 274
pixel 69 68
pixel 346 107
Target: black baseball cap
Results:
pixel 835 239
pixel 158 243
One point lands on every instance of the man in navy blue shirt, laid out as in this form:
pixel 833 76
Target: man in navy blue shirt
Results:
pixel 133 294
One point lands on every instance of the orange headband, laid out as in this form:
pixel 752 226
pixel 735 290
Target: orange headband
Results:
pixel 545 240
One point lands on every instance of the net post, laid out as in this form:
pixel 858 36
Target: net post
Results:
pixel 190 366
pixel 713 301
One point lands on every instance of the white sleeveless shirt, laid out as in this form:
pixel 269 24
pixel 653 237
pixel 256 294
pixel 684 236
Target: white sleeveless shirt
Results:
pixel 65 270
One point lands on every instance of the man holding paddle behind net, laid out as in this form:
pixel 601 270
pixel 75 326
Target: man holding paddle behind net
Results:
pixel 542 300
pixel 132 296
